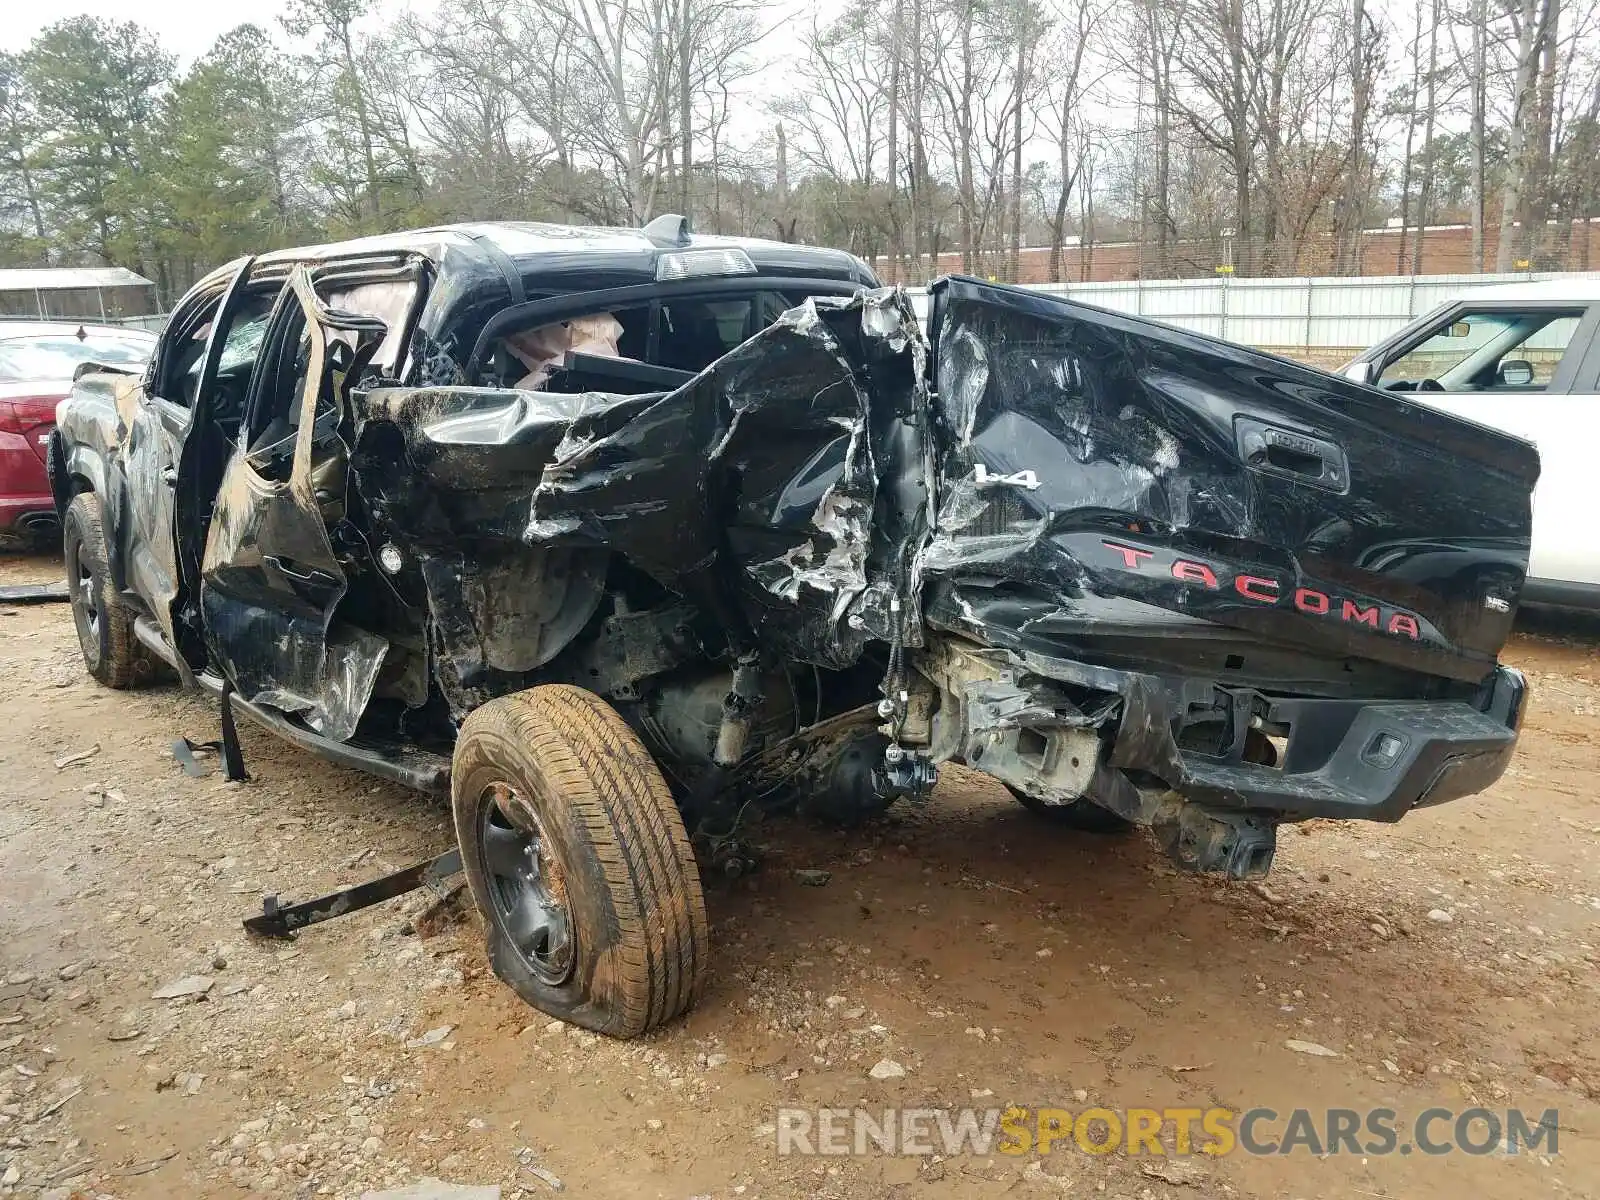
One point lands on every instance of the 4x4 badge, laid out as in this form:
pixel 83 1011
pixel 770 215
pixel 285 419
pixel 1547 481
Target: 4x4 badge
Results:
pixel 1022 479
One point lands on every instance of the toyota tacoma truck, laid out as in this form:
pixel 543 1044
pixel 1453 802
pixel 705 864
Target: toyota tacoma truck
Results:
pixel 610 535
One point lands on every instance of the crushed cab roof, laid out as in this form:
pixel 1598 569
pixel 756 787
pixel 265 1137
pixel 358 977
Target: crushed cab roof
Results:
pixel 611 254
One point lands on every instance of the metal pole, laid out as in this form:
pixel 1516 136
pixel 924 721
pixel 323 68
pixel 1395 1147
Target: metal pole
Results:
pixel 1311 283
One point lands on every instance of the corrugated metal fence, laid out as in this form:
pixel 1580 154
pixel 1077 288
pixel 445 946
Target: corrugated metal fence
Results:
pixel 1307 314
pixel 1313 315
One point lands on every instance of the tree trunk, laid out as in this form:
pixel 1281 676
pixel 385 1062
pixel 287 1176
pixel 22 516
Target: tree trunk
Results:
pixel 1425 190
pixel 1537 198
pixel 1350 217
pixel 363 121
pixel 1242 149
pixel 1086 241
pixel 1058 229
pixel 1518 153
pixel 965 133
pixel 1244 259
pixel 897 243
pixel 1480 103
pixel 685 103
pixel 1411 130
pixel 1160 94
pixel 1015 272
pixel 919 161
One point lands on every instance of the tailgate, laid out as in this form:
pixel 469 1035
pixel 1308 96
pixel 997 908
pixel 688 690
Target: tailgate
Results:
pixel 1134 469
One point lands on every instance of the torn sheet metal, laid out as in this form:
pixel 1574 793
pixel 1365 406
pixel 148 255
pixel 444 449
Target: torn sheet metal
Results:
pixel 803 457
pixel 783 491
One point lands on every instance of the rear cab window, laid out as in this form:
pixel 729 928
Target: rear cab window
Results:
pixel 669 339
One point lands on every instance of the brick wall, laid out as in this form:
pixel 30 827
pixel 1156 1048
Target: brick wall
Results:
pixel 1446 250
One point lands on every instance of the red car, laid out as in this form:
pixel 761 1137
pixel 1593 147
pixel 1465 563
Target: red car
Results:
pixel 37 360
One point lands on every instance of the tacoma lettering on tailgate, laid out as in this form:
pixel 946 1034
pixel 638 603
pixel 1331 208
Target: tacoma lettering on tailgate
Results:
pixel 1268 590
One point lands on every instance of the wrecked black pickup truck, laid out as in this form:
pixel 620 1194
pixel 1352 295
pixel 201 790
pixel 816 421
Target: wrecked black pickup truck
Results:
pixel 612 534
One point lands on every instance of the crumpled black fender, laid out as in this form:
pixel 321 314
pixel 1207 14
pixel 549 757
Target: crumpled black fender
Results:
pixel 784 490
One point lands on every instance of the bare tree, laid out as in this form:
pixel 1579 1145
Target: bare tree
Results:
pixel 1067 86
pixel 1265 135
pixel 974 117
pixel 334 21
pixel 838 120
pixel 1365 62
pixel 839 115
pixel 1430 117
pixel 1533 26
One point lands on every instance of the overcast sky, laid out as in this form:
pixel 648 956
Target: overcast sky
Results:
pixel 188 28
pixel 185 27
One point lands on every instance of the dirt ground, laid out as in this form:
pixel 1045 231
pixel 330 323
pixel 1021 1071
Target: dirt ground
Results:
pixel 996 959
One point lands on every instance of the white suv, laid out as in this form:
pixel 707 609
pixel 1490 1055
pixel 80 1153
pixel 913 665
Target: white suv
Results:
pixel 1523 358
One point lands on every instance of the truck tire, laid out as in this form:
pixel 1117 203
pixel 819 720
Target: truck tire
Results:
pixel 579 862
pixel 1082 814
pixel 105 626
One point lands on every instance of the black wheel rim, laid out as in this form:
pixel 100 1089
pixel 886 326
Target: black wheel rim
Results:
pixel 527 885
pixel 83 596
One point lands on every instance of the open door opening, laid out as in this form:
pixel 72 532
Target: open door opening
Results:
pixel 271 581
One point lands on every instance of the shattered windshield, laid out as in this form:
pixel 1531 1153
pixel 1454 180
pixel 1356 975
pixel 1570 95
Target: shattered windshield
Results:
pixel 242 345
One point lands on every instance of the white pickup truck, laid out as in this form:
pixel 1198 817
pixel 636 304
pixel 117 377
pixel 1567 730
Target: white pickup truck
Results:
pixel 1523 358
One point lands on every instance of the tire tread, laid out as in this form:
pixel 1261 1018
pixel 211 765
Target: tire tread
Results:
pixel 123 657
pixel 601 772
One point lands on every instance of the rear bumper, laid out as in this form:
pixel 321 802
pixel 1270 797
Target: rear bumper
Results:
pixel 24 486
pixel 28 516
pixel 1132 751
pixel 1373 761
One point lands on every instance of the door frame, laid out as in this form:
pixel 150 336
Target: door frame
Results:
pixel 189 501
pixel 153 504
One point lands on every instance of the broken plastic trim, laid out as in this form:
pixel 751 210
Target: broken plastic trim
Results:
pixel 34 593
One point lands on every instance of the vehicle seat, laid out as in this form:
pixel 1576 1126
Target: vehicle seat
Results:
pixel 693 341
